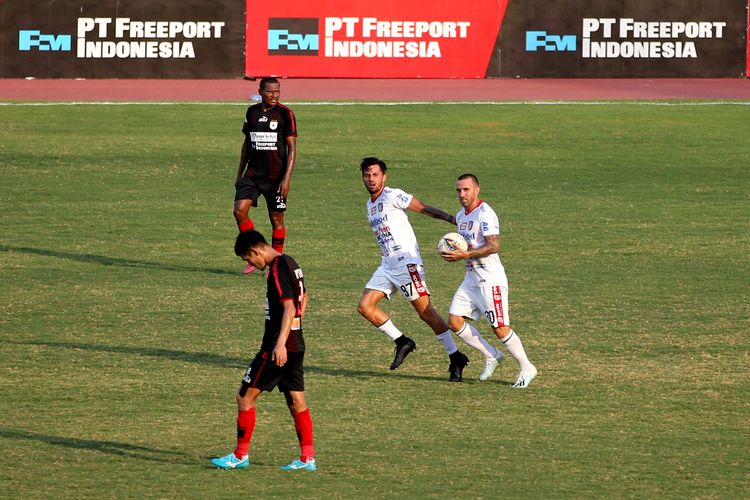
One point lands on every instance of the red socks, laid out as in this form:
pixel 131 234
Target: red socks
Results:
pixel 304 427
pixel 277 235
pixel 245 427
pixel 302 424
pixel 246 225
pixel 277 239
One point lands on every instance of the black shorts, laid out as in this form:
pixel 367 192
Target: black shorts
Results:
pixel 250 189
pixel 265 374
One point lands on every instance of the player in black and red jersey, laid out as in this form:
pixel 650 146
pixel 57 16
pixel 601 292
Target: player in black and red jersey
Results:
pixel 267 161
pixel 279 361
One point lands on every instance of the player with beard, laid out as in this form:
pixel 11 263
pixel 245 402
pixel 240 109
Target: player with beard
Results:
pixel 401 269
pixel 484 290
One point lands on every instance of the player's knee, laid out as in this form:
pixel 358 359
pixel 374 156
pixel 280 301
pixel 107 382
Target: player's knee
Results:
pixel 242 402
pixel 502 331
pixel 295 404
pixel 426 316
pixel 429 315
pixel 364 308
pixel 277 220
pixel 455 323
pixel 239 213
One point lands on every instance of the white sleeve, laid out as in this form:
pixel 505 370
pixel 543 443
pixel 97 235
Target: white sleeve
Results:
pixel 489 224
pixel 400 199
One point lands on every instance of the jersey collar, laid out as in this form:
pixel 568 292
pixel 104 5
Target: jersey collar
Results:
pixel 481 202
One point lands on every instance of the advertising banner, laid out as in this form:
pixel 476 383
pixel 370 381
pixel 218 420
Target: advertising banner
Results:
pixel 121 39
pixel 612 38
pixel 365 39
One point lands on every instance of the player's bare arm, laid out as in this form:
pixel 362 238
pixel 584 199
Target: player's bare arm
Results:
pixel 279 354
pixel 243 162
pixel 303 306
pixel 419 207
pixel 291 157
pixel 491 245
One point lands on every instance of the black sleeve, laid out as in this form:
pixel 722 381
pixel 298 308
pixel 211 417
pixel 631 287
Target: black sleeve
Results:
pixel 287 281
pixel 246 125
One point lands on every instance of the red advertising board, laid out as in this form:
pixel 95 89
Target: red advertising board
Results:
pixel 365 39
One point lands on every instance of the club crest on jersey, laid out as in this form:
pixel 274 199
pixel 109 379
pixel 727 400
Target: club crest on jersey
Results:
pixel 471 224
pixel 273 125
pixel 380 207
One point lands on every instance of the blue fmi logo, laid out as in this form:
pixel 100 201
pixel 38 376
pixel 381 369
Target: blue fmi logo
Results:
pixel 536 40
pixel 293 36
pixel 27 39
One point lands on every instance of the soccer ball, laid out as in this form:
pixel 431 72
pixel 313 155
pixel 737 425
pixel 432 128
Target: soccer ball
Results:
pixel 451 242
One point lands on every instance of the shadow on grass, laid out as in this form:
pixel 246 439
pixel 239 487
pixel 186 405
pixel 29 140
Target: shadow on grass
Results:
pixel 219 360
pixel 202 358
pixel 112 261
pixel 108 447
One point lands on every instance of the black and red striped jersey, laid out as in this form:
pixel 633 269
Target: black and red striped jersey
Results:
pixel 266 133
pixel 285 281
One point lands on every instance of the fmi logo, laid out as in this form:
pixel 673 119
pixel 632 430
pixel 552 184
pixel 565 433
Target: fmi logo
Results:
pixel 536 40
pixel 27 39
pixel 293 36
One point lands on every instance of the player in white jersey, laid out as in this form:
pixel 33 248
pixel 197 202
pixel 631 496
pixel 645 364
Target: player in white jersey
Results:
pixel 484 290
pixel 401 267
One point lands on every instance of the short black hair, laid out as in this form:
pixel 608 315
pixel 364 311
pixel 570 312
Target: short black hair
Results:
pixel 247 240
pixel 469 176
pixel 370 161
pixel 264 81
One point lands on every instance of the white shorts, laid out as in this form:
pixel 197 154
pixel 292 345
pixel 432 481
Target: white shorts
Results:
pixel 409 279
pixel 489 300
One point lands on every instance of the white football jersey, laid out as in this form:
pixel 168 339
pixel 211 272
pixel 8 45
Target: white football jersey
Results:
pixel 392 229
pixel 474 226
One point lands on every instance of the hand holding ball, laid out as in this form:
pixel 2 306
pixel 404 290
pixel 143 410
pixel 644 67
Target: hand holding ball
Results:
pixel 451 242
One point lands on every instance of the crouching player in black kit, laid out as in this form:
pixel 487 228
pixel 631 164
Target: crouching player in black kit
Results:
pixel 279 362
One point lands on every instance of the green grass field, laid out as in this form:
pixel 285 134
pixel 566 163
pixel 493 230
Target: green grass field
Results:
pixel 125 325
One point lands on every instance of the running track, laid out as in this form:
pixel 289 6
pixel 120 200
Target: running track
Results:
pixel 392 90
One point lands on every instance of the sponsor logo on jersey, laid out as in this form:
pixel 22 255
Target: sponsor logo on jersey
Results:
pixel 379 220
pixel 263 141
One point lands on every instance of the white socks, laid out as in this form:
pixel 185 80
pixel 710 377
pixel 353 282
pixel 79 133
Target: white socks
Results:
pixel 513 343
pixel 472 338
pixel 390 329
pixel 446 339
